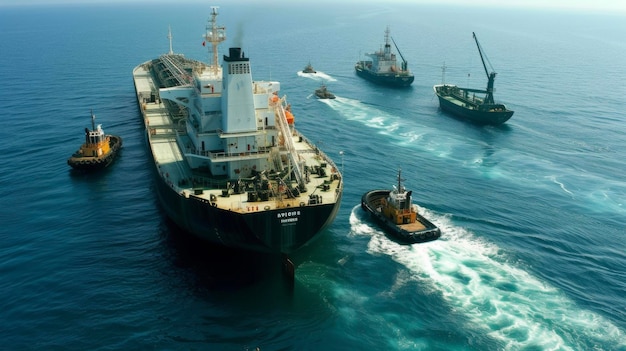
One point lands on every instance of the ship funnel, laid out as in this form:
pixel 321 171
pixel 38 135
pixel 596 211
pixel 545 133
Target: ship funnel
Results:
pixel 235 54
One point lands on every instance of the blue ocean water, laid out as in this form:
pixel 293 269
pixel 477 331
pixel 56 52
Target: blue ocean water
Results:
pixel 532 212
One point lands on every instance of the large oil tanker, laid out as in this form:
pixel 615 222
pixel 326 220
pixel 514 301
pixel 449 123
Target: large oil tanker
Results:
pixel 231 167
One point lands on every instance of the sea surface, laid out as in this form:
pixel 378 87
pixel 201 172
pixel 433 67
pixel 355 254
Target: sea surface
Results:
pixel 533 212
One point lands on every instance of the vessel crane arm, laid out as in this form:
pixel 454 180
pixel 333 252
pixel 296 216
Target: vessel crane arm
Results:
pixel 490 76
pixel 404 63
pixel 482 56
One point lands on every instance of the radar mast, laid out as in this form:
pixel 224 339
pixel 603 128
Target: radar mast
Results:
pixel 214 35
pixel 169 37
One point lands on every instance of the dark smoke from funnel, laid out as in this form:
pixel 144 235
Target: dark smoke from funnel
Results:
pixel 238 38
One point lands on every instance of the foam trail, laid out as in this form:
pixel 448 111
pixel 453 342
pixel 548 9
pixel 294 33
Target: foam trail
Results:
pixel 475 279
pixel 319 76
pixel 486 161
pixel 553 179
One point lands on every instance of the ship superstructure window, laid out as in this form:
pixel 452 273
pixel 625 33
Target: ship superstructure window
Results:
pixel 96 136
pixel 239 68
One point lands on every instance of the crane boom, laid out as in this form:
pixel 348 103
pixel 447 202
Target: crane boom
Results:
pixel 404 63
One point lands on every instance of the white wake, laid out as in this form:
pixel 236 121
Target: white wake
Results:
pixel 476 279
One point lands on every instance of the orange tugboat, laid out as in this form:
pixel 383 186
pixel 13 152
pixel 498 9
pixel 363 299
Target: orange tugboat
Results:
pixel 98 151
pixel 399 217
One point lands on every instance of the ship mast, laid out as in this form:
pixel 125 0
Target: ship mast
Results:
pixel 490 76
pixel 400 187
pixel 214 35
pixel 169 37
pixel 387 51
pixel 93 121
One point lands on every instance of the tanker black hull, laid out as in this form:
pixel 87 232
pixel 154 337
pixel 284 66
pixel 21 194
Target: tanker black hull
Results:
pixel 276 231
pixel 282 231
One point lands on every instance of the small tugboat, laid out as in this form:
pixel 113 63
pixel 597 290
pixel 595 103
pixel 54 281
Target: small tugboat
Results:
pixel 98 151
pixel 462 102
pixel 383 67
pixel 323 93
pixel 309 69
pixel 399 217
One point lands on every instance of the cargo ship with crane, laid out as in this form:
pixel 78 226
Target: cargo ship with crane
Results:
pixel 383 69
pixel 463 102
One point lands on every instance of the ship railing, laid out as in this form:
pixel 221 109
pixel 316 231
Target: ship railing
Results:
pixel 204 182
pixel 326 159
pixel 284 128
pixel 222 154
pixel 249 207
pixel 463 95
pixel 181 76
pixel 318 151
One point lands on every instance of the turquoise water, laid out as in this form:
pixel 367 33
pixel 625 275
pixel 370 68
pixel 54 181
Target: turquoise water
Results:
pixel 532 212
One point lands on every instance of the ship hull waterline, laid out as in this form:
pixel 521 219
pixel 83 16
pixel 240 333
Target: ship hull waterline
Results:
pixel 391 80
pixel 481 117
pixel 428 231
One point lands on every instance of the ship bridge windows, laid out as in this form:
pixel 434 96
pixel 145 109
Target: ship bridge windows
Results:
pixel 95 136
pixel 239 68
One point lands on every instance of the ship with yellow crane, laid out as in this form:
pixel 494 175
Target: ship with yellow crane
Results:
pixel 98 151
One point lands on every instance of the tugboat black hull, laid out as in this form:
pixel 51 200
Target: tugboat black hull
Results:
pixel 85 163
pixel 424 231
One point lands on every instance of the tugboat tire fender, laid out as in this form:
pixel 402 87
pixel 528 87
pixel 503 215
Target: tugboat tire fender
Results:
pixel 422 236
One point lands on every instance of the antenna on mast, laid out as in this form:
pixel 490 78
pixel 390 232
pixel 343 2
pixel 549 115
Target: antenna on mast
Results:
pixel 443 73
pixel 214 35
pixel 169 37
pixel 387 45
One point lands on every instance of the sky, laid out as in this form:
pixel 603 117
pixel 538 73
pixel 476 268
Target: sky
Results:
pixel 610 6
